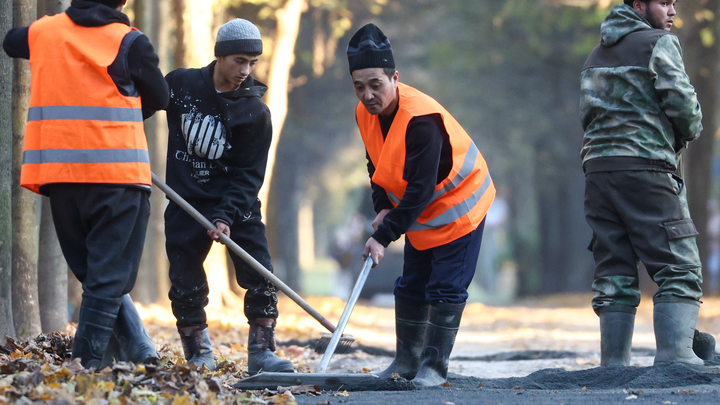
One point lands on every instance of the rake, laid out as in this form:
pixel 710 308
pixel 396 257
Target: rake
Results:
pixel 344 343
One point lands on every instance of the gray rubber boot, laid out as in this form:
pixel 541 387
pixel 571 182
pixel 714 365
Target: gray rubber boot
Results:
pixel 95 328
pixel 261 348
pixel 674 324
pixel 616 332
pixel 136 343
pixel 410 325
pixel 197 346
pixel 440 335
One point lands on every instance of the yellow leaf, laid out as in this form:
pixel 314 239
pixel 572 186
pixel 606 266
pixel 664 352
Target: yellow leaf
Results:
pixel 445 384
pixel 366 370
pixel 584 388
pixel 54 385
pixel 181 400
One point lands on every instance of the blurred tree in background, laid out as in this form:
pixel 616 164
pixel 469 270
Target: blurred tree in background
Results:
pixel 507 70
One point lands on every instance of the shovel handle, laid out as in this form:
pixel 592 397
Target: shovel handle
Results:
pixel 242 253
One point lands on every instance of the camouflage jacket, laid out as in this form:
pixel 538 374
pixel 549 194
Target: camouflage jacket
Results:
pixel 636 99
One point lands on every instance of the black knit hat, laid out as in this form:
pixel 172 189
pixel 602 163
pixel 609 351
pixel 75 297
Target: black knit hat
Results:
pixel 369 48
pixel 238 36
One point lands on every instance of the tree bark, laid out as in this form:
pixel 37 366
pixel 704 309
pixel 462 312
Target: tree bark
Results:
pixel 52 275
pixel 701 61
pixel 52 268
pixel 283 59
pixel 154 260
pixel 6 80
pixel 25 204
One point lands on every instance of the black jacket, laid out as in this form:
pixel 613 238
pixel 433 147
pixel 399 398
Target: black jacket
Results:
pixel 218 142
pixel 140 64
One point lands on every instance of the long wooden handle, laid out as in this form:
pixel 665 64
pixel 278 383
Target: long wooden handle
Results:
pixel 242 253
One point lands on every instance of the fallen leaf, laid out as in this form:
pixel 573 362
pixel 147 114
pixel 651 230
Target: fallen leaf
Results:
pixel 366 370
pixel 480 386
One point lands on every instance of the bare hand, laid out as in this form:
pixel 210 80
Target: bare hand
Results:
pixel 374 249
pixel 379 218
pixel 220 228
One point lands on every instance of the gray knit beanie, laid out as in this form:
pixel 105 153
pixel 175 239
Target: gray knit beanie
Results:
pixel 238 36
pixel 369 48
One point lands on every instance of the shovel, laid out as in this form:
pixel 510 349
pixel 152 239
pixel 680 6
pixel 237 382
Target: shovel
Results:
pixel 345 342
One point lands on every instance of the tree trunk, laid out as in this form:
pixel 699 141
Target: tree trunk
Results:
pixel 25 205
pixel 283 59
pixel 52 275
pixel 6 80
pixel 52 268
pixel 701 61
pixel 51 7
pixel 154 260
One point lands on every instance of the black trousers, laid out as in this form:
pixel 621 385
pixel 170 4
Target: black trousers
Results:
pixel 101 230
pixel 188 245
pixel 440 274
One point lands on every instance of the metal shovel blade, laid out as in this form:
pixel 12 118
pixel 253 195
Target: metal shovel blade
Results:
pixel 324 381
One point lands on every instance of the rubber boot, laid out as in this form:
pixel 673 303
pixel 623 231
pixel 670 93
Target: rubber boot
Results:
pixel 197 346
pixel 261 348
pixel 410 324
pixel 440 335
pixel 674 324
pixel 616 332
pixel 95 328
pixel 136 343
pixel 704 345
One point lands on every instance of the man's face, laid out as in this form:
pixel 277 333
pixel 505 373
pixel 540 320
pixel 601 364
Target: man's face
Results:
pixel 376 90
pixel 234 69
pixel 659 13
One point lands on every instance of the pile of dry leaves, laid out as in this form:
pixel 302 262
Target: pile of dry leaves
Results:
pixel 40 371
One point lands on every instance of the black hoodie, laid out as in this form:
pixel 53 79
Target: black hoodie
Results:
pixel 218 142
pixel 140 63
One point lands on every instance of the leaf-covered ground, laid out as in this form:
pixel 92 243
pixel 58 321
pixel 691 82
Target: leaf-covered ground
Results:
pixel 40 370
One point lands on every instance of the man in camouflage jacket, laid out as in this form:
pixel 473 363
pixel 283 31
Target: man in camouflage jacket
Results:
pixel 639 111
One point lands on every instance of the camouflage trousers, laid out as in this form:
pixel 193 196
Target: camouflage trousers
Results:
pixel 640 216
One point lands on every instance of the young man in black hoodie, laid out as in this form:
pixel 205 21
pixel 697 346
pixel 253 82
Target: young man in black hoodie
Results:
pixel 93 80
pixel 219 137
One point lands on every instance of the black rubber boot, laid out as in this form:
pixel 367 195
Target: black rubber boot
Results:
pixel 616 332
pixel 136 343
pixel 261 348
pixel 440 335
pixel 95 328
pixel 197 346
pixel 410 324
pixel 704 345
pixel 674 324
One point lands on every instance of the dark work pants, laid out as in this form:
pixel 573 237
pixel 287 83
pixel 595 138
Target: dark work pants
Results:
pixel 440 274
pixel 640 215
pixel 188 245
pixel 101 230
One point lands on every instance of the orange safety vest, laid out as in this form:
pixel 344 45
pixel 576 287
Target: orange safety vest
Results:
pixel 460 201
pixel 80 128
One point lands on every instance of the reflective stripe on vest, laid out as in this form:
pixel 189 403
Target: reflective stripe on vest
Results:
pixel 81 128
pixel 73 112
pixel 456 212
pixel 86 156
pixel 460 201
pixel 467 168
